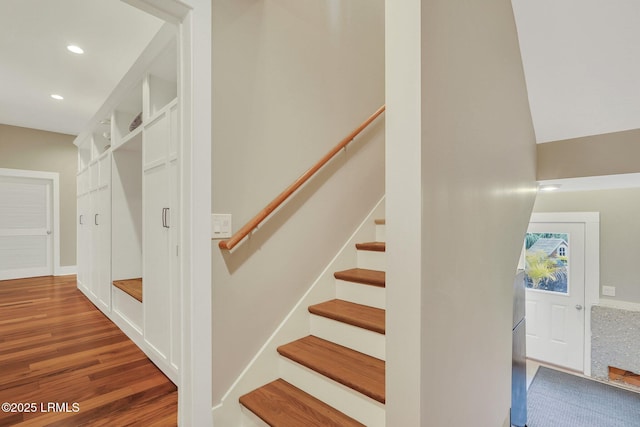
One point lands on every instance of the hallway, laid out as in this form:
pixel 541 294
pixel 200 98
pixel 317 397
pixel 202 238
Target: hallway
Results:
pixel 62 362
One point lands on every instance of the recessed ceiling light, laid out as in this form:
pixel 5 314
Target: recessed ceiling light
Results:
pixel 56 96
pixel 75 49
pixel 550 187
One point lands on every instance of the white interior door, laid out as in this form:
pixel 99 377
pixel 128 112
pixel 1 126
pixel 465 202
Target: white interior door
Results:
pixel 555 293
pixel 26 213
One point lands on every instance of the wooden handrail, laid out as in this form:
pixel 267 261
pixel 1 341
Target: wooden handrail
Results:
pixel 264 213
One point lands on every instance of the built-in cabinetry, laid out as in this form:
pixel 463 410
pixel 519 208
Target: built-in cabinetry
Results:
pixel 128 205
pixel 94 231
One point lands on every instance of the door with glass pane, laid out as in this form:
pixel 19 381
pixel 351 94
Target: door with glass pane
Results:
pixel 554 278
pixel 25 227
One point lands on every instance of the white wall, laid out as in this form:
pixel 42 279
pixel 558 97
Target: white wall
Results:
pixel 581 65
pixel 456 98
pixel 619 233
pixel 290 79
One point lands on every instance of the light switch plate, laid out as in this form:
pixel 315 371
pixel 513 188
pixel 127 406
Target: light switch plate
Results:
pixel 609 291
pixel 220 226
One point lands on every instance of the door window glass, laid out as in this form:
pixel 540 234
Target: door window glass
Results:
pixel 547 262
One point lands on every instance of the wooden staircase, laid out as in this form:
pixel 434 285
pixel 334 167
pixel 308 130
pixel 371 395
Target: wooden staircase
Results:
pixel 336 375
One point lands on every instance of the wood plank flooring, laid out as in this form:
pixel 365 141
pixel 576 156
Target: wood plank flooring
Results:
pixel 73 367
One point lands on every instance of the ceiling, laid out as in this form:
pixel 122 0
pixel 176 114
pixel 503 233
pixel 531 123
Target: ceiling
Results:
pixel 581 60
pixel 35 62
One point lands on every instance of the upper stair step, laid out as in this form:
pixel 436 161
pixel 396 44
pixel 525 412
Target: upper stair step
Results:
pixel 372 255
pixel 363 276
pixel 381 221
pixel 350 368
pixel 359 315
pixel 280 404
pixel 372 246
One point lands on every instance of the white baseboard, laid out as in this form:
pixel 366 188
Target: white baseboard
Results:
pixel 65 270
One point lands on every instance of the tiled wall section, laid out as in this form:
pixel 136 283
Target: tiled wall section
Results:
pixel 615 340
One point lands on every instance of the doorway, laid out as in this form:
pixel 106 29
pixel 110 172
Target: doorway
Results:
pixel 28 223
pixel 562 280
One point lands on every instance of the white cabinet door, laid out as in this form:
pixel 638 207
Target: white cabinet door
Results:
pixel 85 245
pixel 174 264
pixel 102 239
pixel 161 289
pixel 156 270
pixel 95 262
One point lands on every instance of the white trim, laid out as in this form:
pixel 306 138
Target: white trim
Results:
pixel 621 305
pixel 565 217
pixel 193 18
pixel 195 99
pixel 591 221
pixel 54 177
pixel 167 10
pixel 65 270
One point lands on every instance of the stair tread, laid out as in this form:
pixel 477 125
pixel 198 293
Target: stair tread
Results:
pixel 348 367
pixel 281 404
pixel 372 246
pixel 381 221
pixel 359 315
pixel 363 276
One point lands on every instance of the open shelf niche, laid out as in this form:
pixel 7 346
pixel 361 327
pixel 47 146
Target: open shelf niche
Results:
pixel 124 115
pixel 161 85
pixel 126 209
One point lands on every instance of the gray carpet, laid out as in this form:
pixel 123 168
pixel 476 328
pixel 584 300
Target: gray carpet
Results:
pixel 556 399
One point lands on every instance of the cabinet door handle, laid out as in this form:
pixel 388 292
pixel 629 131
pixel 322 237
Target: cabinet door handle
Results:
pixel 167 218
pixel 81 223
pixel 95 219
pixel 164 217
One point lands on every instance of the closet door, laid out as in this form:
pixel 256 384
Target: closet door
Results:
pixel 102 239
pixel 156 235
pixel 174 242
pixel 85 246
pixel 25 227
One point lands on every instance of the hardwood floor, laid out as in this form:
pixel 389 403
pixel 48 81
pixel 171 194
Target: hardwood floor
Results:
pixel 63 363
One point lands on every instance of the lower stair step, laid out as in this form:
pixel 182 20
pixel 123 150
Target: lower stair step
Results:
pixel 280 404
pixel 348 367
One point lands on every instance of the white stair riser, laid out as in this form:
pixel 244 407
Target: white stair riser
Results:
pixel 372 260
pixel 373 296
pixel 359 339
pixel 249 419
pixel 352 403
pixel 381 235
